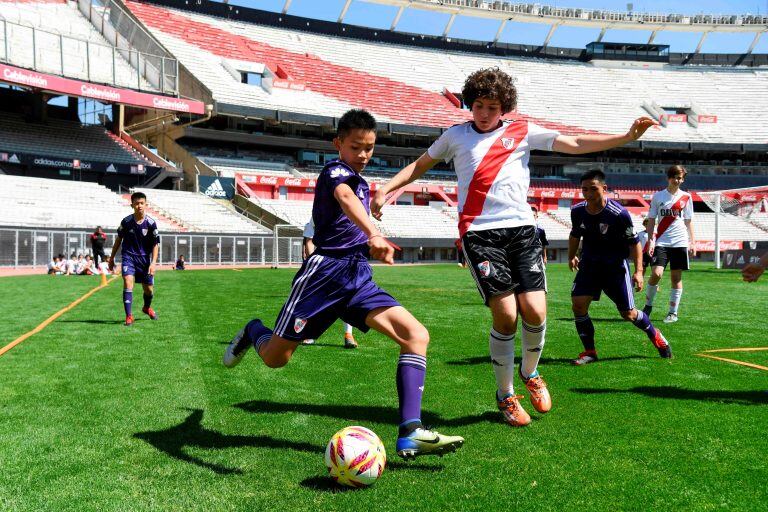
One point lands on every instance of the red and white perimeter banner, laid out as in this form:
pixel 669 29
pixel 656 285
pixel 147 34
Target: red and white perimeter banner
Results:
pixel 725 245
pixel 104 93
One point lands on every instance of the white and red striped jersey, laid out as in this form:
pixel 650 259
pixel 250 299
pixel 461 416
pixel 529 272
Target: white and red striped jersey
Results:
pixel 492 172
pixel 671 211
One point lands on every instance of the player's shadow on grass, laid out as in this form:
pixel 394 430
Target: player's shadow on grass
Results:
pixel 93 321
pixel 609 320
pixel 364 413
pixel 675 393
pixel 469 361
pixel 191 433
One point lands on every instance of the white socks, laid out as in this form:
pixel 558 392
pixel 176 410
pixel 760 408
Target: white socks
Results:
pixel 650 294
pixel 674 299
pixel 347 328
pixel 533 344
pixel 502 347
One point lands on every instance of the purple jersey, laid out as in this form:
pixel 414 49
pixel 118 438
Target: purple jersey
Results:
pixel 333 230
pixel 607 235
pixel 139 239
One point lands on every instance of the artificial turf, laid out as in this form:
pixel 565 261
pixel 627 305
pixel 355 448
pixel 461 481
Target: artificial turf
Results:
pixel 96 416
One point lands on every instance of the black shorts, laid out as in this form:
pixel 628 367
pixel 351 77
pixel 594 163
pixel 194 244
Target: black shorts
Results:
pixel 676 257
pixel 505 260
pixel 646 260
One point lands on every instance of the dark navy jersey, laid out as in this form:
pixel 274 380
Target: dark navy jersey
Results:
pixel 139 239
pixel 542 236
pixel 607 236
pixel 333 230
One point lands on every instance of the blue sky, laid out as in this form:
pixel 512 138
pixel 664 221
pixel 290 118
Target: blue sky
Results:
pixel 426 22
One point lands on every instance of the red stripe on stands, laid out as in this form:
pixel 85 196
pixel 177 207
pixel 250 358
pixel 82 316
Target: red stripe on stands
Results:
pixel 487 171
pixel 395 100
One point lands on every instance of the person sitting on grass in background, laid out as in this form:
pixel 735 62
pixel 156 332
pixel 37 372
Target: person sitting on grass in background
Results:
pixel 54 266
pixel 180 263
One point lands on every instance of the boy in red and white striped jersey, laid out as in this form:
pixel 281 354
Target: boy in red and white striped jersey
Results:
pixel 673 242
pixel 497 228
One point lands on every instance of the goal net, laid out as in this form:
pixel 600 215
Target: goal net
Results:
pixel 740 216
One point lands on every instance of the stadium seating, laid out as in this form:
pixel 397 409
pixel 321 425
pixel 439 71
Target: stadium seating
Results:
pixel 65 139
pixel 55 18
pixel 404 84
pixel 44 203
pixel 731 227
pixel 400 221
pixel 200 213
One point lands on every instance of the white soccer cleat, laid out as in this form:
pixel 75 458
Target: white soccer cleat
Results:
pixel 308 341
pixel 670 318
pixel 586 357
pixel 236 350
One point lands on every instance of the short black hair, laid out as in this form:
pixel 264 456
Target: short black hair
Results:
pixel 138 195
pixel 355 119
pixel 593 174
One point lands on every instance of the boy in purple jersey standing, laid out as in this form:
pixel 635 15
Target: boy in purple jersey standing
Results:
pixel 608 239
pixel 140 241
pixel 336 282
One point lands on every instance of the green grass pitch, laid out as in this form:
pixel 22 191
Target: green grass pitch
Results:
pixel 96 416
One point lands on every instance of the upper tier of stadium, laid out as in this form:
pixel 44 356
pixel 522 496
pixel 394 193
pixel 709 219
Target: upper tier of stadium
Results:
pixel 321 75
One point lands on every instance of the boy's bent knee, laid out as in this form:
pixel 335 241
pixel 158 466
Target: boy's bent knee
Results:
pixel 417 340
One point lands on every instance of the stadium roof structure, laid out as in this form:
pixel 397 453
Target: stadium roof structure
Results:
pixel 585 18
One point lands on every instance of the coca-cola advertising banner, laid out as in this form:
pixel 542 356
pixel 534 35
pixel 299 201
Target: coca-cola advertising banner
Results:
pixel 104 93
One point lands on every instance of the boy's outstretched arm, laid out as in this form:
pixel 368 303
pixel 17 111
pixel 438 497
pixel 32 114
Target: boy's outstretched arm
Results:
pixel 579 144
pixel 408 174
pixel 355 211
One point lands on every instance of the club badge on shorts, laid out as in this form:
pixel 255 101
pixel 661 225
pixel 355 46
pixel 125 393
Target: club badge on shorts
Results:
pixel 299 324
pixel 485 268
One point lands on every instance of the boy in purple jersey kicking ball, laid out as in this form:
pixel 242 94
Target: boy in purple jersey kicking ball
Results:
pixel 608 238
pixel 140 241
pixel 336 282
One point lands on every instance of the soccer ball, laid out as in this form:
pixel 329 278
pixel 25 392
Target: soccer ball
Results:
pixel 355 457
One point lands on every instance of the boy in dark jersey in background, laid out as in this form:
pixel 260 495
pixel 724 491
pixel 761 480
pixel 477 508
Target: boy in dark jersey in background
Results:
pixel 608 239
pixel 336 282
pixel 140 241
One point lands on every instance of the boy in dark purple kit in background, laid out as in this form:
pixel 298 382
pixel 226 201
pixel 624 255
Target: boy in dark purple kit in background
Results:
pixel 141 243
pixel 336 282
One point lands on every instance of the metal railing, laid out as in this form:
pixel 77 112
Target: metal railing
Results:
pixel 134 43
pixel 37 247
pixel 59 54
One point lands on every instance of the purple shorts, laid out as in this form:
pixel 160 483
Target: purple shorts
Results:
pixel 615 281
pixel 138 268
pixel 327 288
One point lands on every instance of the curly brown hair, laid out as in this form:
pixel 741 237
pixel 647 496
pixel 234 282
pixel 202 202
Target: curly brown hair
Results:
pixel 490 83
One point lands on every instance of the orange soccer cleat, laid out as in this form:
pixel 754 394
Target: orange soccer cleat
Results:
pixel 513 412
pixel 540 398
pixel 129 320
pixel 150 312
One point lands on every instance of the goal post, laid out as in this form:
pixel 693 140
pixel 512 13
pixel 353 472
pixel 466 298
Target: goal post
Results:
pixel 749 204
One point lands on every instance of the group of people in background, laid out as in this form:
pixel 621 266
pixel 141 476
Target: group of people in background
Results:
pixel 77 265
